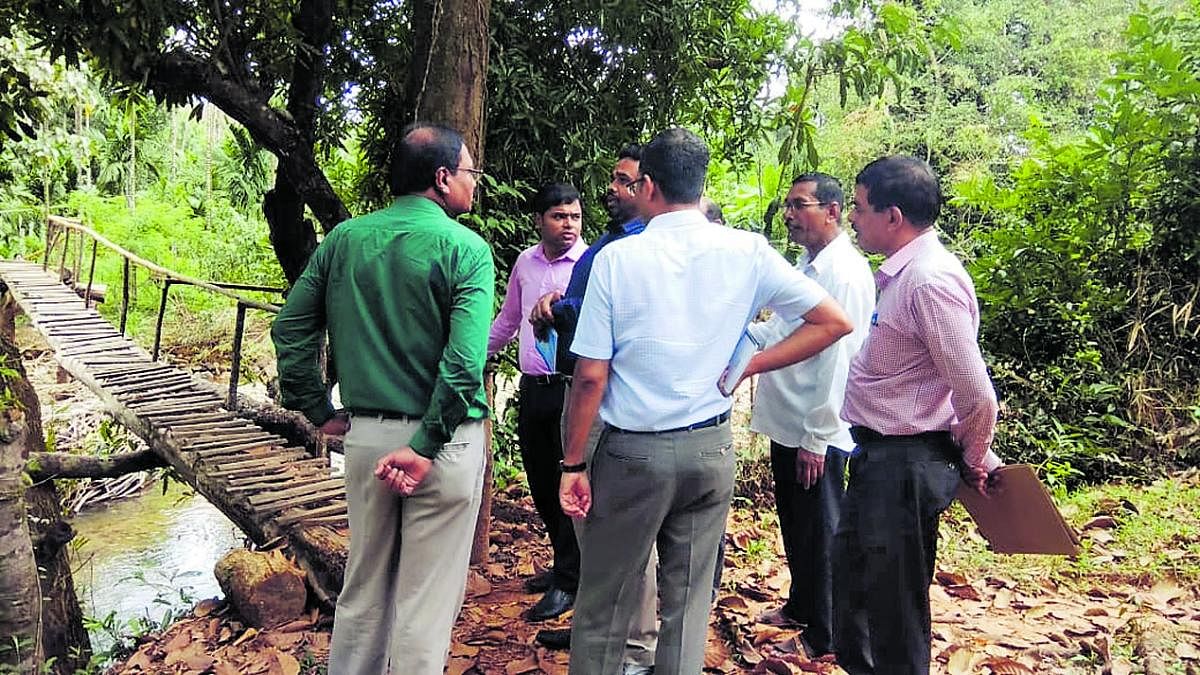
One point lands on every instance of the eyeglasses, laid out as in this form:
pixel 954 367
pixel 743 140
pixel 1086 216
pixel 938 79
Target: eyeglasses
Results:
pixel 474 172
pixel 632 185
pixel 797 205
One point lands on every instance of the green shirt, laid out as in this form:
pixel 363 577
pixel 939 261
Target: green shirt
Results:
pixel 406 296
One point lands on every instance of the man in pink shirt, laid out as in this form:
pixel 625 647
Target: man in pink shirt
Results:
pixel 922 412
pixel 541 269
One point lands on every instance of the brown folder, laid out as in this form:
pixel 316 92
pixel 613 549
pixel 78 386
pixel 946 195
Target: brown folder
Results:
pixel 1018 514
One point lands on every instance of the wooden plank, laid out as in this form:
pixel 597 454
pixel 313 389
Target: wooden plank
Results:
pixel 292 478
pixel 200 404
pixel 326 520
pixel 148 390
pixel 303 500
pixel 225 468
pixel 164 422
pixel 241 447
pixel 174 382
pixel 191 428
pixel 250 436
pixel 266 498
pixel 300 516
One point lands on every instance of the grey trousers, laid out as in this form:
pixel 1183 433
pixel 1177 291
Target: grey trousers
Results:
pixel 399 600
pixel 643 628
pixel 670 489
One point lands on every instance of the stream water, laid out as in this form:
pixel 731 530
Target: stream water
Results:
pixel 145 556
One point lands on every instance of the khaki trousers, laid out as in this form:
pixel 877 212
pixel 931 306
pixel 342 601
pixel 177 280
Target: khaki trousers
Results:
pixel 643 628
pixel 399 601
pixel 672 489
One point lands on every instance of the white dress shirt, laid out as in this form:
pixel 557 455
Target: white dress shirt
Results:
pixel 799 406
pixel 667 308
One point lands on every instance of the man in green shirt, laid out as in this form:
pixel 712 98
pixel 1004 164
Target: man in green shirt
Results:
pixel 406 295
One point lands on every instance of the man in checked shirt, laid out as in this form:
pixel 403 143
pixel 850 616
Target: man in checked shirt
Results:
pixel 922 412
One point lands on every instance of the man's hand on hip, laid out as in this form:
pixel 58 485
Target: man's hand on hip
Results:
pixel 403 470
pixel 541 315
pixel 337 425
pixel 575 494
pixel 809 468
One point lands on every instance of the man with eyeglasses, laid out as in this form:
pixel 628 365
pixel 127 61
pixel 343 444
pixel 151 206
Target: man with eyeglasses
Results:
pixel 544 268
pixel 662 316
pixel 561 310
pixel 799 409
pixel 406 296
pixel 921 410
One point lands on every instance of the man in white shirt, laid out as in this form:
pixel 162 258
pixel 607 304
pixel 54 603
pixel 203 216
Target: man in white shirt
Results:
pixel 662 315
pixel 798 409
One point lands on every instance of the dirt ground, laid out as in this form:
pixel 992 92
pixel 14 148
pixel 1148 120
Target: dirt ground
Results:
pixel 990 624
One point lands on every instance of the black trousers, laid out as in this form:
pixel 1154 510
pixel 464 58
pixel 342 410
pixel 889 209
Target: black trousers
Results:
pixel 808 520
pixel 538 433
pixel 885 549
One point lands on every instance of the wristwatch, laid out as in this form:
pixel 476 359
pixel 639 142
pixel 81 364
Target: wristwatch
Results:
pixel 572 468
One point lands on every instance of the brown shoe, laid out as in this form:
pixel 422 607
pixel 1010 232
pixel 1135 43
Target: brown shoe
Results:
pixel 779 618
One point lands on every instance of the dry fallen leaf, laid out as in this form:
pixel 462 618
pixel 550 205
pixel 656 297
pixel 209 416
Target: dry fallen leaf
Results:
pixel 1187 651
pixel 1005 666
pixel 207 606
pixel 529 664
pixel 1100 522
pixel 960 661
pixel 458 666
pixel 951 579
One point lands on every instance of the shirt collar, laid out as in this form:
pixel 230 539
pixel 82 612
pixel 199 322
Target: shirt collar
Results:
pixel 572 253
pixel 826 257
pixel 897 261
pixel 673 219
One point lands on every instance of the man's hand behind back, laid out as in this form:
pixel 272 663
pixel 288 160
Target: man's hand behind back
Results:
pixel 403 470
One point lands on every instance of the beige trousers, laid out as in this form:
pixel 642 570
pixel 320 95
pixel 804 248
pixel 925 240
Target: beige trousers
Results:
pixel 643 628
pixel 399 600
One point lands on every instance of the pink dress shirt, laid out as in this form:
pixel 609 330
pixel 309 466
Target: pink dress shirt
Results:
pixel 532 277
pixel 920 368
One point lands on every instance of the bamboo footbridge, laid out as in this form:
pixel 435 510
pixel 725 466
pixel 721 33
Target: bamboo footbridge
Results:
pixel 272 489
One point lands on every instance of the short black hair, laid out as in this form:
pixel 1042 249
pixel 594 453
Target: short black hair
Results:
pixel 677 160
pixel 552 194
pixel 906 182
pixel 632 151
pixel 417 157
pixel 712 210
pixel 828 189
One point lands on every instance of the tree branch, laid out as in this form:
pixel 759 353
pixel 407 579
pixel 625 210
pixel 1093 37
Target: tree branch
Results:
pixel 51 465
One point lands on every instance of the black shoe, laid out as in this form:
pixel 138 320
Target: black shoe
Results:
pixel 540 583
pixel 554 638
pixel 553 603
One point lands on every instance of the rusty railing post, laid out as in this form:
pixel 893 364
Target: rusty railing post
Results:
pixel 87 296
pixel 162 310
pixel 46 252
pixel 62 262
pixel 124 295
pixel 235 369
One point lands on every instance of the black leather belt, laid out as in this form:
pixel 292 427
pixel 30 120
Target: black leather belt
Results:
pixel 382 414
pixel 543 380
pixel 713 421
pixel 867 435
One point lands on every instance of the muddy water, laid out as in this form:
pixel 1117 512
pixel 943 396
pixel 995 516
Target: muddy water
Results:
pixel 147 555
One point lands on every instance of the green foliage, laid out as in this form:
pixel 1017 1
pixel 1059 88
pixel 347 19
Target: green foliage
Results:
pixel 1086 280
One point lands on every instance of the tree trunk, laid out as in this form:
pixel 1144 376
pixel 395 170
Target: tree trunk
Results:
pixel 265 589
pixel 448 73
pixel 62 635
pixel 20 596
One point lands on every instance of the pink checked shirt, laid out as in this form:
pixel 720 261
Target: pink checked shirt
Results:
pixel 532 277
pixel 920 368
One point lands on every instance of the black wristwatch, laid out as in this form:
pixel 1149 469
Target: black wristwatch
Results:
pixel 572 468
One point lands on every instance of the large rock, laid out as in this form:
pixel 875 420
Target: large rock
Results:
pixel 265 589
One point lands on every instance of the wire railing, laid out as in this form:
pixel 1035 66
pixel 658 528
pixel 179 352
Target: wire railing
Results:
pixel 61 228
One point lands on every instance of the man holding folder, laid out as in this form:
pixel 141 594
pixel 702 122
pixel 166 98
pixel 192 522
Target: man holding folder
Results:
pixel 922 411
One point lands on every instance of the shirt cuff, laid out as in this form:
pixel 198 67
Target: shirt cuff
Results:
pixel 990 462
pixel 320 413
pixel 423 445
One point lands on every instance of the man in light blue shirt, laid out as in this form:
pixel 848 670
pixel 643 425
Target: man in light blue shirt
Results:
pixel 662 314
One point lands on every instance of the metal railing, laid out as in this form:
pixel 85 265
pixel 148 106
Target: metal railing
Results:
pixel 58 227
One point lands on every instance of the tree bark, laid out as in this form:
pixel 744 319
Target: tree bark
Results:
pixel 448 73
